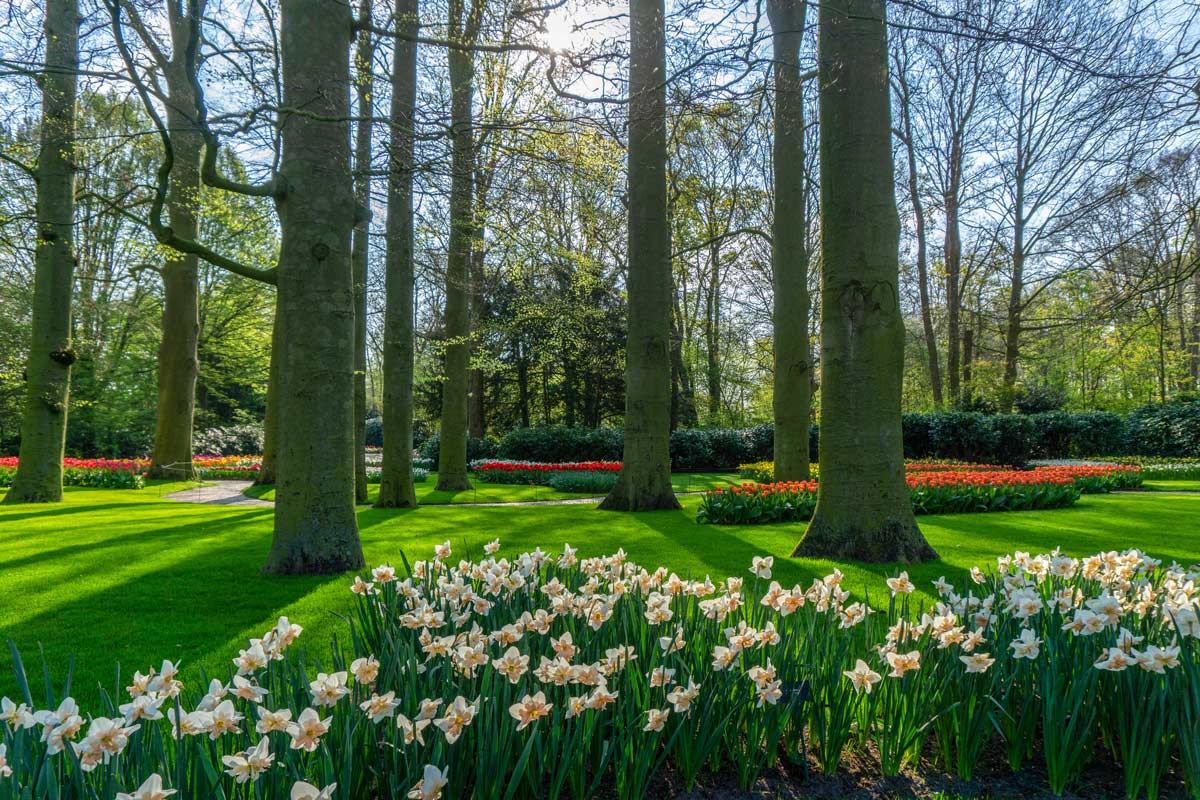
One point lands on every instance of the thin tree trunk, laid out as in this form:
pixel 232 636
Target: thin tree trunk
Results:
pixel 266 471
pixel 452 452
pixel 522 383
pixel 363 87
pixel 1012 328
pixel 952 255
pixel 1194 345
pixel 178 352
pixel 792 403
pixel 477 386
pixel 48 374
pixel 316 531
pixel 864 509
pixel 914 193
pixel 396 488
pixel 645 480
pixel 968 356
pixel 712 330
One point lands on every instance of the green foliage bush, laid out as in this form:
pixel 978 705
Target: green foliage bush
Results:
pixel 1172 429
pixel 555 444
pixel 476 448
pixel 232 440
pixel 589 481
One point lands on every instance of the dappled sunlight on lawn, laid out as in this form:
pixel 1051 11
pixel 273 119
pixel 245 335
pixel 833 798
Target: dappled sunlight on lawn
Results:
pixel 125 576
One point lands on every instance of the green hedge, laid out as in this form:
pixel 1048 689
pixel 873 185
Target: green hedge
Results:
pixel 1004 439
pixel 476 449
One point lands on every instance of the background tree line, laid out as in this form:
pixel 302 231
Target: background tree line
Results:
pixel 480 214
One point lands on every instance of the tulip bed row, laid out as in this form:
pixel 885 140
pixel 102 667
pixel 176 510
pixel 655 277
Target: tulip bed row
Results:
pixel 764 471
pixel 98 473
pixel 1178 469
pixel 555 676
pixel 104 473
pixel 935 492
pixel 502 471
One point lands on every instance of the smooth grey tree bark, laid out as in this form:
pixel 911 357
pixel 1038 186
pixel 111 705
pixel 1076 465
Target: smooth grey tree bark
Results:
pixel 316 531
pixel 452 451
pixel 48 375
pixel 864 510
pixel 792 400
pixel 178 352
pixel 645 480
pixel 363 87
pixel 396 488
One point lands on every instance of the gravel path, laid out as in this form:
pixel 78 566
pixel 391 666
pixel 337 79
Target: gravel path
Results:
pixel 219 493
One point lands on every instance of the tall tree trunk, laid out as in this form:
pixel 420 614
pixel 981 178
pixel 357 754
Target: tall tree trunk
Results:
pixel 452 453
pixel 522 382
pixel 266 471
pixel 316 530
pixel 48 374
pixel 967 393
pixel 396 488
pixel 363 87
pixel 952 255
pixel 1012 326
pixel 683 394
pixel 792 402
pixel 914 193
pixel 476 384
pixel 178 351
pixel 864 509
pixel 712 330
pixel 1194 346
pixel 645 480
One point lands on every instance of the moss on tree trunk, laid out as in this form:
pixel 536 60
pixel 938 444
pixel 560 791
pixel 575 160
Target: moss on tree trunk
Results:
pixel 789 250
pixel 645 480
pixel 396 488
pixel 48 374
pixel 864 510
pixel 316 531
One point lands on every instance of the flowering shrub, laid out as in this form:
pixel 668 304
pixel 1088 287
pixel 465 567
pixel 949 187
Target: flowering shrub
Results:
pixel 939 491
pixel 542 676
pixel 98 473
pixel 494 471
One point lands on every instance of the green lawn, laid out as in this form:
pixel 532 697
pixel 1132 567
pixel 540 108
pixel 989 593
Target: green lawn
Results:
pixel 124 576
pixel 518 493
pixel 1171 486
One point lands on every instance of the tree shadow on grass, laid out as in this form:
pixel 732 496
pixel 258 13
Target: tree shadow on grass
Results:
pixel 41 510
pixel 174 609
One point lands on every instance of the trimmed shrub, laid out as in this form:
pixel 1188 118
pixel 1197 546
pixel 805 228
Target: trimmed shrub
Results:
pixel 476 448
pixel 559 443
pixel 1170 430
pixel 373 433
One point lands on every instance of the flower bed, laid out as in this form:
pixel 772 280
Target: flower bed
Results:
pixel 933 492
pixel 501 471
pixel 764 471
pixel 543 676
pixel 1170 469
pixel 98 473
